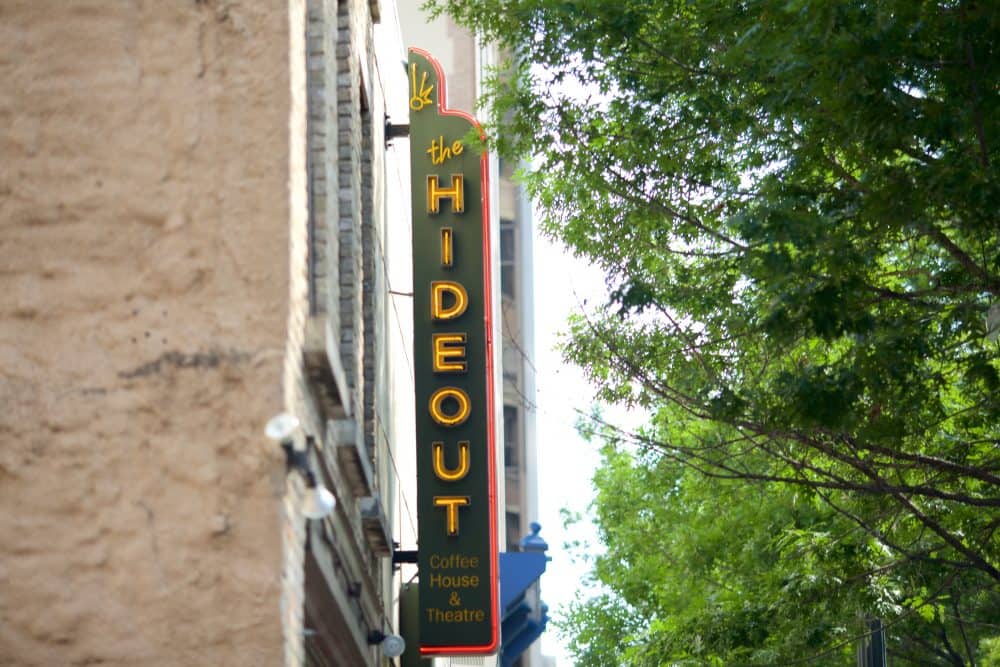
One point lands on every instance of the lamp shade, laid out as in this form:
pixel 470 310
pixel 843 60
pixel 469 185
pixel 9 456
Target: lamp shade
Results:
pixel 319 502
pixel 281 427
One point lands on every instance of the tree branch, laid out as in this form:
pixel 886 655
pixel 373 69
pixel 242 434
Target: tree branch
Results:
pixel 988 281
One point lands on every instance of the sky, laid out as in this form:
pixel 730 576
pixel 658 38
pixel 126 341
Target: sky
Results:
pixel 566 462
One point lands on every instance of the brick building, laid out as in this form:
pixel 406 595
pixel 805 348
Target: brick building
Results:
pixel 204 225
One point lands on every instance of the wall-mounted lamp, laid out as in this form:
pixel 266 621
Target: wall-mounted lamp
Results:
pixel 282 427
pixel 319 502
pixel 392 646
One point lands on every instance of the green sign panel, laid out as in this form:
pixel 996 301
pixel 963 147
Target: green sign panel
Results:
pixel 453 365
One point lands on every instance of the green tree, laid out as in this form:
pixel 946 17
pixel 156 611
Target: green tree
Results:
pixel 795 203
pixel 697 571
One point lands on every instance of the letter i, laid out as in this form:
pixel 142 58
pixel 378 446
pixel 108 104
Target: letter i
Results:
pixel 447 250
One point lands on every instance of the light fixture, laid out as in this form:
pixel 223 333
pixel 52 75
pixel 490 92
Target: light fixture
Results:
pixel 392 645
pixel 282 427
pixel 318 502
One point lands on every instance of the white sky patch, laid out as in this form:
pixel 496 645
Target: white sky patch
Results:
pixel 566 461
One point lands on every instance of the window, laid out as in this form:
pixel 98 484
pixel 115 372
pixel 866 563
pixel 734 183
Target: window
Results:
pixel 513 531
pixel 510 436
pixel 507 254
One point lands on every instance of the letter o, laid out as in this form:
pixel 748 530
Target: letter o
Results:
pixel 436 406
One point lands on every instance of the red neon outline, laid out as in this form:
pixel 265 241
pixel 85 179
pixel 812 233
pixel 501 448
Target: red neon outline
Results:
pixel 484 168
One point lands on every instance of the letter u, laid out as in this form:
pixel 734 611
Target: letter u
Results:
pixel 455 474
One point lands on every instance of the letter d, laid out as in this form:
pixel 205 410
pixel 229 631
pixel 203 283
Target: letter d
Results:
pixel 461 300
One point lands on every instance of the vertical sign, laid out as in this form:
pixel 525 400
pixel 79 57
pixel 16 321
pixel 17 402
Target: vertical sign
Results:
pixel 453 365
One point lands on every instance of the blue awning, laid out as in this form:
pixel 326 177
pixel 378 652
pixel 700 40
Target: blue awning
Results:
pixel 524 614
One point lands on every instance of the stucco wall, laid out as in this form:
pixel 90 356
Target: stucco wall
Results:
pixel 143 307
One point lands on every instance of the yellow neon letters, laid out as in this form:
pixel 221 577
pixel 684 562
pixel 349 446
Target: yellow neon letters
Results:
pixel 463 462
pixel 461 300
pixel 447 247
pixel 450 406
pixel 451 505
pixel 449 352
pixel 435 193
pixel 439 152
pixel 456 417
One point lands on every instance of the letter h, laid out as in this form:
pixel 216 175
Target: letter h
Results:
pixel 435 193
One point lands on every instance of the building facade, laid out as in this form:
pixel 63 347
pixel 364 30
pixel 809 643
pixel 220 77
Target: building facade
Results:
pixel 205 223
pixel 146 224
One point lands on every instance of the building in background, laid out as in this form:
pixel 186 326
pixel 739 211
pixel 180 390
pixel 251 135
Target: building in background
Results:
pixel 467 62
pixel 204 225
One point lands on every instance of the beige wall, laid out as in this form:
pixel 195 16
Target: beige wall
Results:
pixel 144 223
